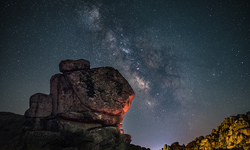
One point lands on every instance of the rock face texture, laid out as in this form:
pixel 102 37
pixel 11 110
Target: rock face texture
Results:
pixel 83 111
pixel 232 133
pixel 100 90
pixel 40 106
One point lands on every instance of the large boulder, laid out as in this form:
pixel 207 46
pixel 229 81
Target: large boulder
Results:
pixel 103 90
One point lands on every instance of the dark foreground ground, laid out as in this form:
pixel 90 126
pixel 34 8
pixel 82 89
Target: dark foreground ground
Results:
pixel 11 129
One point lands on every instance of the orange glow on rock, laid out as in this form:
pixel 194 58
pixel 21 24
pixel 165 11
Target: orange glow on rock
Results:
pixel 128 103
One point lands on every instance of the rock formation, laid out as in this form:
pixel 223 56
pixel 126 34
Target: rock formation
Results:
pixel 83 111
pixel 166 147
pixel 232 133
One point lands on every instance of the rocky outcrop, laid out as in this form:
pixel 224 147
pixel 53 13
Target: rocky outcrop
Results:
pixel 88 95
pixel 84 110
pixel 232 133
pixel 166 147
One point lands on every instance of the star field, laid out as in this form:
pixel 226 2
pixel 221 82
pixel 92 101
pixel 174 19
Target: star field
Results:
pixel 187 61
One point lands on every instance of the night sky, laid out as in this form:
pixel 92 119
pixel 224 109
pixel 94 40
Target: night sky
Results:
pixel 188 61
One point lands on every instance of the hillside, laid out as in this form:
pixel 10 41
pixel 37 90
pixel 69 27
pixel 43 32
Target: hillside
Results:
pixel 232 133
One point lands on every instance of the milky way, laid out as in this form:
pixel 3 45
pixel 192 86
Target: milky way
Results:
pixel 187 61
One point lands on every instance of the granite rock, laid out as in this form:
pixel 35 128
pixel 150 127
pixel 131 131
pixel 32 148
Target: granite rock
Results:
pixel 40 106
pixel 101 90
pixel 84 110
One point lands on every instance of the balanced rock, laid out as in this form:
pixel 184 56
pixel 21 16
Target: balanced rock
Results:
pixel 87 104
pixel 99 95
